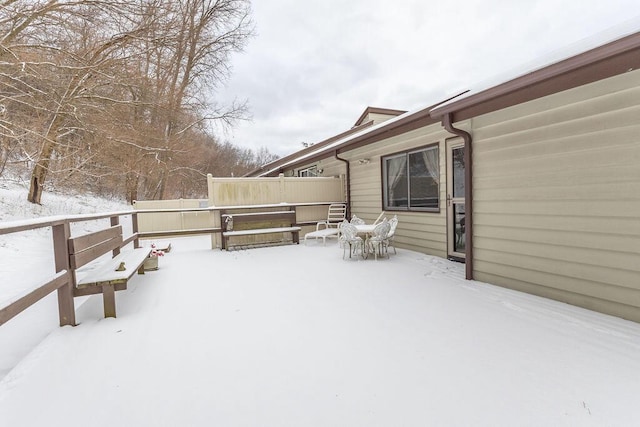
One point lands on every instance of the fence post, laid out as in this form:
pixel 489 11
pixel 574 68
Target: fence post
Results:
pixel 210 194
pixel 66 308
pixel 115 220
pixel 282 188
pixel 134 228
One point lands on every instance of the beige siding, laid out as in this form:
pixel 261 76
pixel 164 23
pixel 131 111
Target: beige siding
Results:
pixel 420 231
pixel 330 167
pixel 557 196
pixel 378 117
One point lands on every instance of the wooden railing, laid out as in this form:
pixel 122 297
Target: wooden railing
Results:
pixel 62 278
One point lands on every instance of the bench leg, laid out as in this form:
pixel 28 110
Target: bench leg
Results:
pixel 109 300
pixel 296 237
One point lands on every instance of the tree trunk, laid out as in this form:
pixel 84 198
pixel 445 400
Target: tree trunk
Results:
pixel 132 183
pixel 40 170
pixel 38 177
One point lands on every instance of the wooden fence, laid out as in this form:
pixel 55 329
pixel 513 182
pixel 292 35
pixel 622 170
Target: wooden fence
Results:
pixel 61 279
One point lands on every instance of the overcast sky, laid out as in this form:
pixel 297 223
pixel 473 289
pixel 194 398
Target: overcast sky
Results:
pixel 314 66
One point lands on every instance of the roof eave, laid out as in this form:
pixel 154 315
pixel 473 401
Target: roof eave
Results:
pixel 608 60
pixel 262 170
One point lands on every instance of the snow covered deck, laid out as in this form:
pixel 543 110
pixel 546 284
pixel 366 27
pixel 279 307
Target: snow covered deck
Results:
pixel 237 339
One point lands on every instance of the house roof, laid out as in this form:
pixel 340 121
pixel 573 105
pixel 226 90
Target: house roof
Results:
pixel 360 124
pixel 311 148
pixel 614 57
pixel 376 110
pixel 395 126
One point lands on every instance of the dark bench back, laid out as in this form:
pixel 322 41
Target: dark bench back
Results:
pixel 259 219
pixel 86 248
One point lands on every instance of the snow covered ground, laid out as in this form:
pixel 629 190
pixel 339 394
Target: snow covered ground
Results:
pixel 26 261
pixel 296 336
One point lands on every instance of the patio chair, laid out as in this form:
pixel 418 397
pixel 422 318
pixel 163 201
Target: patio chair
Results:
pixel 349 238
pixel 376 243
pixel 388 242
pixel 356 221
pixel 329 227
pixel 336 214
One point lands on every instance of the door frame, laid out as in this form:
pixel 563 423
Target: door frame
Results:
pixel 451 201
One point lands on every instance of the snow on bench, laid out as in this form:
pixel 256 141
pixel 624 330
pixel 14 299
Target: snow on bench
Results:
pixel 104 276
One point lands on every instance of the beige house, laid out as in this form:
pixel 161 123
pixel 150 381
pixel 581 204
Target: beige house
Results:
pixel 534 183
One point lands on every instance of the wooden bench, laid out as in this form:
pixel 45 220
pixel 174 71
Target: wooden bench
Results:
pixel 106 276
pixel 230 222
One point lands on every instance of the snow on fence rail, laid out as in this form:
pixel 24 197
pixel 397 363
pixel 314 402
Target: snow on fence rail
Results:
pixel 62 279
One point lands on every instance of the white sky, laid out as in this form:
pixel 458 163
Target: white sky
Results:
pixel 314 67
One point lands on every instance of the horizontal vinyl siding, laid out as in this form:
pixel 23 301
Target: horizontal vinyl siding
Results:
pixel 557 196
pixel 330 167
pixel 419 231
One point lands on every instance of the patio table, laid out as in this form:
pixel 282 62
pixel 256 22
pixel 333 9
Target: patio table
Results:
pixel 366 230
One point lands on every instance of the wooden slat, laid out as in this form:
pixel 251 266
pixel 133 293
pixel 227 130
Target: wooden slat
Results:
pixel 81 243
pixel 83 258
pixel 147 234
pixel 260 216
pixel 247 214
pixel 93 290
pixel 130 239
pixel 60 279
pixel 106 273
pixel 261 231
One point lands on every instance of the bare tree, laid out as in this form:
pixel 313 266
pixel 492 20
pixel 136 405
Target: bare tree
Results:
pixel 57 67
pixel 116 91
pixel 193 61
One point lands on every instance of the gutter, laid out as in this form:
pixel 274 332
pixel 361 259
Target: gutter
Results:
pixel 468 191
pixel 348 182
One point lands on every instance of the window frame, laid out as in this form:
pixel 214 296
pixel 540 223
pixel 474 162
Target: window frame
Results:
pixel 313 168
pixel 384 179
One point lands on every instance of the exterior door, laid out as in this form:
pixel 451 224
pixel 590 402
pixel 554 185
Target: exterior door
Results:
pixel 456 239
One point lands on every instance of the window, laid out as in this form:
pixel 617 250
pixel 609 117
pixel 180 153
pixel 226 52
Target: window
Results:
pixel 310 171
pixel 411 180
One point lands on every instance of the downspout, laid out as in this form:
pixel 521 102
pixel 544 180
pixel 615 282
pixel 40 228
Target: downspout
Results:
pixel 348 182
pixel 468 191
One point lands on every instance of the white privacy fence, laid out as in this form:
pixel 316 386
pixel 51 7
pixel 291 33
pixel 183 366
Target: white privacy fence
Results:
pixel 178 220
pixel 309 195
pixel 259 191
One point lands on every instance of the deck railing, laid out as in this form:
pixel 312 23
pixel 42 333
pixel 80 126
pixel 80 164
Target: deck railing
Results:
pixel 61 279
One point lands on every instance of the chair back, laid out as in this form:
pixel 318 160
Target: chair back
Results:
pixel 348 231
pixel 337 213
pixel 381 230
pixel 393 222
pixel 357 221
